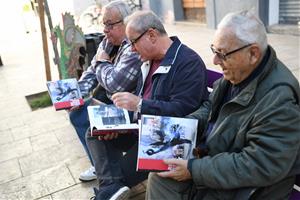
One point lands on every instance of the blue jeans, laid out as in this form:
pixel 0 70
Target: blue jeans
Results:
pixel 111 165
pixel 80 120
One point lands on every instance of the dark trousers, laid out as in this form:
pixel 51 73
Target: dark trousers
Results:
pixel 110 161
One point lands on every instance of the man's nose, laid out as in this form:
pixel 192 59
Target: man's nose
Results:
pixel 133 48
pixel 217 60
pixel 105 29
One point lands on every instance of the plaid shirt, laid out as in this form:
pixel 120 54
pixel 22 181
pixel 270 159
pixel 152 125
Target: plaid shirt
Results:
pixel 121 75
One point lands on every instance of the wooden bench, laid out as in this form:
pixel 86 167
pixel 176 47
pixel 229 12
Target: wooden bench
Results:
pixel 296 190
pixel 212 76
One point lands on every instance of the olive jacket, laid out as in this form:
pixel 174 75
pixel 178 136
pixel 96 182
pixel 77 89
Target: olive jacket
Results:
pixel 255 140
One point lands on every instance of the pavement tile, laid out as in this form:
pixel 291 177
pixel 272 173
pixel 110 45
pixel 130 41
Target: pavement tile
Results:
pixel 77 166
pixel 37 185
pixel 10 122
pixel 81 191
pixel 49 125
pixel 49 157
pixel 44 117
pixel 66 134
pixel 23 132
pixel 9 170
pixel 6 137
pixel 43 141
pixel 15 149
pixel 48 197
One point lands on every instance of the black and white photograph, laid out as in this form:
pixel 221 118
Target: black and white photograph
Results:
pixel 63 90
pixel 105 119
pixel 166 137
pixel 109 115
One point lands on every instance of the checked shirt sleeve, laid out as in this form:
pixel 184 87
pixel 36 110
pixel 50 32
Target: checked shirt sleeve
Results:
pixel 88 80
pixel 121 75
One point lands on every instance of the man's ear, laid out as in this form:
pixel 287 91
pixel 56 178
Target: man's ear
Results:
pixel 153 35
pixel 255 54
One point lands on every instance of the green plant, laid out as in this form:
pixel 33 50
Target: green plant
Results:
pixel 40 100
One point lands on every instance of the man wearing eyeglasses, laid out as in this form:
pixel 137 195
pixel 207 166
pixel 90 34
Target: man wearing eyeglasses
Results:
pixel 252 138
pixel 173 83
pixel 110 71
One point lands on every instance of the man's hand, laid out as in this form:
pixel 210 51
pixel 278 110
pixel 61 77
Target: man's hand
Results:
pixel 126 100
pixel 109 136
pixel 179 172
pixel 74 108
pixel 102 55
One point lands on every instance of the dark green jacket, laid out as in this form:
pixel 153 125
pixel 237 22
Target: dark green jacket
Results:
pixel 255 141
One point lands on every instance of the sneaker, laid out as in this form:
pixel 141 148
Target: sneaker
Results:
pixel 114 191
pixel 88 175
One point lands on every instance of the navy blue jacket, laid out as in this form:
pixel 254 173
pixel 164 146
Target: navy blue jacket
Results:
pixel 179 84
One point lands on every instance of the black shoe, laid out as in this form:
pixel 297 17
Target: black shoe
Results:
pixel 114 191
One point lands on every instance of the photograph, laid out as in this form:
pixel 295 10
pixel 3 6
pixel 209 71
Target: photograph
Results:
pixel 63 90
pixel 109 115
pixel 166 137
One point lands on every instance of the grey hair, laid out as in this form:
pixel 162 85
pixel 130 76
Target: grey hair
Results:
pixel 247 28
pixel 143 20
pixel 121 6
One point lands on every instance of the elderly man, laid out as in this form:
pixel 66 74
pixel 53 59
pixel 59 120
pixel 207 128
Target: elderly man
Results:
pixel 173 83
pixel 111 71
pixel 253 132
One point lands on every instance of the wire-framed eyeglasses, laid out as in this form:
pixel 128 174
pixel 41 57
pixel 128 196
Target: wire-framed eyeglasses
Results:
pixel 223 56
pixel 110 26
pixel 133 41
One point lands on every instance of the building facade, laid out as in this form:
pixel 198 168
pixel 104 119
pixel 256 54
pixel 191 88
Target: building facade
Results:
pixel 210 12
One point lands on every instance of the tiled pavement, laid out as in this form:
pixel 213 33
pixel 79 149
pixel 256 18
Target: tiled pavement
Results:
pixel 40 155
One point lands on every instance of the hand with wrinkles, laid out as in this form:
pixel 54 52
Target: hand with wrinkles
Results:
pixel 179 172
pixel 126 100
pixel 109 136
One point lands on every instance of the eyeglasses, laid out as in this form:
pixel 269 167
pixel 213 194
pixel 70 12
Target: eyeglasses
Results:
pixel 133 41
pixel 110 26
pixel 223 56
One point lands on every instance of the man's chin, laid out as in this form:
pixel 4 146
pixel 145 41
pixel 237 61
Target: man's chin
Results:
pixel 143 59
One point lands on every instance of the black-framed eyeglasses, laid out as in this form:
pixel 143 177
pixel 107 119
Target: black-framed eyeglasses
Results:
pixel 223 56
pixel 110 26
pixel 133 41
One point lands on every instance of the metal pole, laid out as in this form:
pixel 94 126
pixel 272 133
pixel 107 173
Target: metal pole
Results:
pixel 44 38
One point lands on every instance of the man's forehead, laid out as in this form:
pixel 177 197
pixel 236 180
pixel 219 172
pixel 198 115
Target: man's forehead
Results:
pixel 130 31
pixel 224 38
pixel 111 15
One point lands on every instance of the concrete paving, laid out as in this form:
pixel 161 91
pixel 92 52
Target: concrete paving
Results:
pixel 40 154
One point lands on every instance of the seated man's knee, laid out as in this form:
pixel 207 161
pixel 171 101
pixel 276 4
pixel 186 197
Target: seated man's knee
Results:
pixel 87 135
pixel 165 188
pixel 153 178
pixel 72 116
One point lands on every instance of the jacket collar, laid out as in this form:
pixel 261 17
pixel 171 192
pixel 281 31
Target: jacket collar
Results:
pixel 172 52
pixel 170 57
pixel 247 94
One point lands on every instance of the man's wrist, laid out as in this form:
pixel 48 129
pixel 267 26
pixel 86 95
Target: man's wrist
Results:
pixel 102 61
pixel 139 106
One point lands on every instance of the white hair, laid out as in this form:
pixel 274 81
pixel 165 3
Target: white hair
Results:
pixel 247 28
pixel 121 6
pixel 143 20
